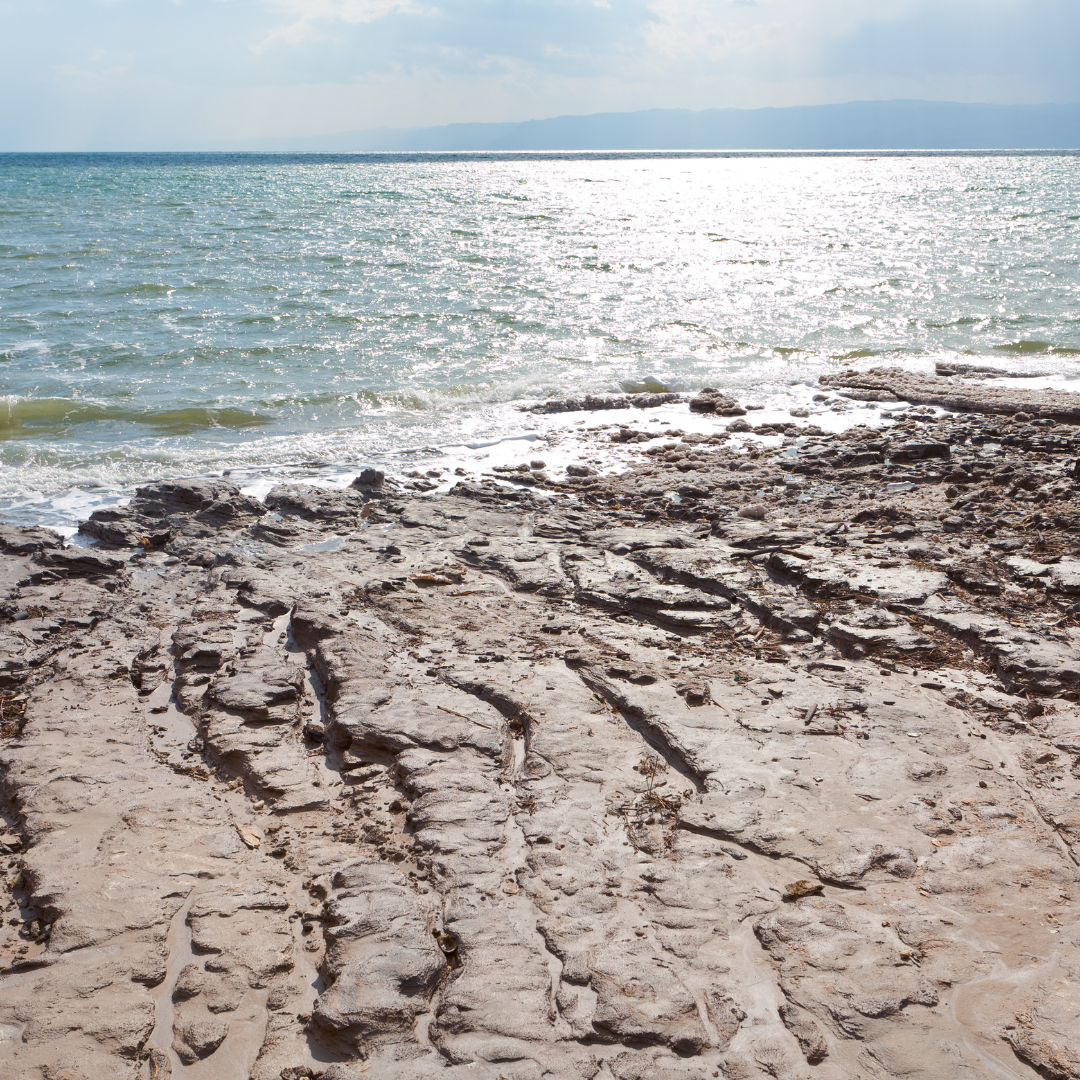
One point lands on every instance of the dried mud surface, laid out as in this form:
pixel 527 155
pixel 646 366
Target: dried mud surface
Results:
pixel 738 764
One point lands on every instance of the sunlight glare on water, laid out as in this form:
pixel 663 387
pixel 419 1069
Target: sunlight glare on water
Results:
pixel 173 319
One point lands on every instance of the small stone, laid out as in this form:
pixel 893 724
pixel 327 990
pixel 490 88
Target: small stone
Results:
pixel 753 511
pixel 369 478
pixel 711 400
pixel 160 1065
pixel 251 837
pixel 798 889
pixel 197 1039
pixel 698 694
pixel 189 983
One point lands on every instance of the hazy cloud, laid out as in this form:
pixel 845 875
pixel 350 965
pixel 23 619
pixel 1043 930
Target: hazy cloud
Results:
pixel 128 73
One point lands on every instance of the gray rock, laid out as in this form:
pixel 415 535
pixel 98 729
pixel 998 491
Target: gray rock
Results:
pixel 198 1039
pixel 807 1032
pixel 370 478
pixel 383 963
pixel 932 390
pixel 710 400
pixel 558 787
pixel 22 541
pixel 753 512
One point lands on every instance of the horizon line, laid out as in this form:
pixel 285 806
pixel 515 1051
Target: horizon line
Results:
pixel 1019 151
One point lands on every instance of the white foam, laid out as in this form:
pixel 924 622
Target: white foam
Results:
pixel 489 440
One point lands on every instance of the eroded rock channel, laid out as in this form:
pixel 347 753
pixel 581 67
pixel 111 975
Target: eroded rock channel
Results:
pixel 775 779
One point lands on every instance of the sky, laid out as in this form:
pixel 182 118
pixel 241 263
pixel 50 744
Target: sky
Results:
pixel 204 74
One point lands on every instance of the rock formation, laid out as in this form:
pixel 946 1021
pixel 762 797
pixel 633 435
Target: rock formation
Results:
pixel 593 779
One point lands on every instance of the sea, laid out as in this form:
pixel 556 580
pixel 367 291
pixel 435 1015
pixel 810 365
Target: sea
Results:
pixel 302 316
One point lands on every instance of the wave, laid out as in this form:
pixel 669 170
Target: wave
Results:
pixel 652 385
pixel 858 354
pixel 20 416
pixel 141 288
pixel 1034 347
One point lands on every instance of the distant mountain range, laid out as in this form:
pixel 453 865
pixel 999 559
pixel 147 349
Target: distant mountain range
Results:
pixel 856 125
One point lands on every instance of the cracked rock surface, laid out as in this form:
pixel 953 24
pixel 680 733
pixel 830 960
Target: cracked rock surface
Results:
pixel 571 781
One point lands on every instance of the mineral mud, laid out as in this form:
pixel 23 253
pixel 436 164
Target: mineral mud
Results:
pixel 748 762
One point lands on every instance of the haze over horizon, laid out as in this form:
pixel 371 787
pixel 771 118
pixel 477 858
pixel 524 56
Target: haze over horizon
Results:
pixel 198 74
pixel 852 126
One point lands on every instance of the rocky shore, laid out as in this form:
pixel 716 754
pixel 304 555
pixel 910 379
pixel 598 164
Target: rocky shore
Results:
pixel 758 759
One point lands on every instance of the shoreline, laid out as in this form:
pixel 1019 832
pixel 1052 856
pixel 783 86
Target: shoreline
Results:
pixel 729 757
pixel 562 432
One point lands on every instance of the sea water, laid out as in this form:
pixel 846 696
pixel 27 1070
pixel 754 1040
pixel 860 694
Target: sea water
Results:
pixel 285 316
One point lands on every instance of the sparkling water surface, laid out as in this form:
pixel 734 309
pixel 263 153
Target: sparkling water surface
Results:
pixel 181 315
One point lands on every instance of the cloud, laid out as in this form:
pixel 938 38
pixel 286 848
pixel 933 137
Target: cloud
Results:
pixel 349 11
pixel 457 36
pixel 311 18
pixel 188 72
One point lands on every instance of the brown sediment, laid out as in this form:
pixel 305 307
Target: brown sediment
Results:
pixel 597 778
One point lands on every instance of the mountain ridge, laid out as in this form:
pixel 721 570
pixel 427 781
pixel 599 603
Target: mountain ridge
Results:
pixel 857 125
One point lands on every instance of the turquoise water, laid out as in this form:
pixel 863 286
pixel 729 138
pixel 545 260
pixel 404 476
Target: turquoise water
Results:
pixel 173 316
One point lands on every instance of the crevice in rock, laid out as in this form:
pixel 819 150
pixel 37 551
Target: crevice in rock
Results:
pixel 758 849
pixel 315 730
pixel 1054 827
pixel 524 912
pixel 646 725
pixel 179 953
pixel 519 721
pixel 765 614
